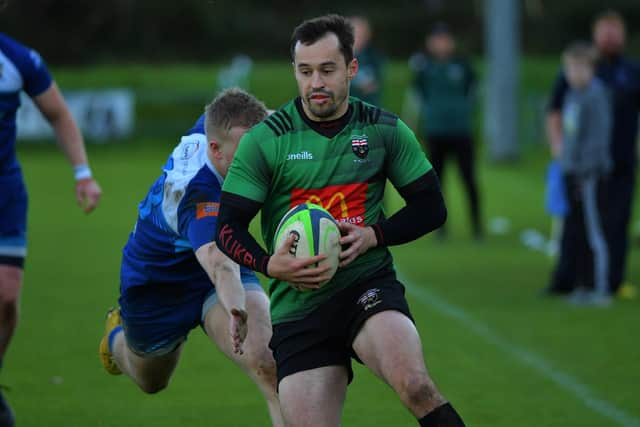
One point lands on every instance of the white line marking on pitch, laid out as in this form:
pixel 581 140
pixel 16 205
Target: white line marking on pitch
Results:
pixel 526 357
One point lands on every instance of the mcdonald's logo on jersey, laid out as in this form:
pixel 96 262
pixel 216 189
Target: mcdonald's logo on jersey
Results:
pixel 344 202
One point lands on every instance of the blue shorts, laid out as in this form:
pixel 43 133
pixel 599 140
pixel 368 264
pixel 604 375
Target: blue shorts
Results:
pixel 13 220
pixel 158 317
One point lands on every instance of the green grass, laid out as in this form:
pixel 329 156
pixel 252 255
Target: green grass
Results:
pixel 72 277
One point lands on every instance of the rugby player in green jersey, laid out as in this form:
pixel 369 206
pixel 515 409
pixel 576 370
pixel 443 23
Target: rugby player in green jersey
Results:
pixel 327 148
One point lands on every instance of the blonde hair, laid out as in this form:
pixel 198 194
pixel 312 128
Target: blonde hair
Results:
pixel 232 107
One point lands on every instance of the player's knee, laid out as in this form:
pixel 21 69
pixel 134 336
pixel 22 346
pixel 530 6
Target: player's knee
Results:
pixel 8 299
pixel 10 283
pixel 419 390
pixel 262 364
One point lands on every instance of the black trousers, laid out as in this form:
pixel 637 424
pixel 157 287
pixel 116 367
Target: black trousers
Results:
pixel 462 148
pixel 576 264
pixel 620 192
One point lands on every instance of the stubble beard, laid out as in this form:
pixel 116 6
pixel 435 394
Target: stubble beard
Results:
pixel 329 109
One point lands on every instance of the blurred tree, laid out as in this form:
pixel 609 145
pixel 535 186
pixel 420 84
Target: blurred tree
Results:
pixel 68 31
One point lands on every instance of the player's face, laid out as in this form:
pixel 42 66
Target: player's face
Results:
pixel 609 36
pixel 323 78
pixel 225 149
pixel 579 73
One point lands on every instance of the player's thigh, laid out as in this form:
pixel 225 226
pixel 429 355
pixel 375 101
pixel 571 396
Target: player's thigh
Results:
pixel 315 397
pixel 388 344
pixel 13 236
pixel 216 324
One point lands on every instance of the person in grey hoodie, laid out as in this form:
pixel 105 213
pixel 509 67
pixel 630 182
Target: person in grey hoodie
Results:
pixel 585 159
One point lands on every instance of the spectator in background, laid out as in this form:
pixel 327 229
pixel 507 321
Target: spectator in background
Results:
pixel 367 84
pixel 444 82
pixel 586 162
pixel 621 76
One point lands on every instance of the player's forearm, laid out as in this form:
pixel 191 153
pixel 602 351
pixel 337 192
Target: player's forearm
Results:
pixel 224 274
pixel 424 212
pixel 54 109
pixel 229 289
pixel 72 144
pixel 233 237
pixel 70 139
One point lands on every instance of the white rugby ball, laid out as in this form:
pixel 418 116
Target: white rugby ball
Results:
pixel 316 232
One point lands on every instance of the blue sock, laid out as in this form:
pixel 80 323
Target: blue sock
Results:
pixel 112 336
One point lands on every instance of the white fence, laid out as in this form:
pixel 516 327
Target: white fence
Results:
pixel 102 115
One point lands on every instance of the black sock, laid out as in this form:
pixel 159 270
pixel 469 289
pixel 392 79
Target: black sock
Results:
pixel 442 416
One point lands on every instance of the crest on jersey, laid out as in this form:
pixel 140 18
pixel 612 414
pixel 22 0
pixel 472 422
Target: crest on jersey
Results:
pixel 360 145
pixel 370 299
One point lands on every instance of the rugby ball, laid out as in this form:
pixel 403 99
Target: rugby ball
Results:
pixel 316 232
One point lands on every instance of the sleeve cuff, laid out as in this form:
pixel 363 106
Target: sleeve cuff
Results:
pixel 378 232
pixel 264 264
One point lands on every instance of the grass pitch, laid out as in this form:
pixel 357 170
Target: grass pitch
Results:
pixel 501 353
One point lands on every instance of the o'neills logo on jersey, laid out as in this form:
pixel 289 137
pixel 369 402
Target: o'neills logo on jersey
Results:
pixel 344 202
pixel 303 155
pixel 189 149
pixel 360 145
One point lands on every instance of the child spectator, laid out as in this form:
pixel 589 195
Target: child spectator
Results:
pixel 585 161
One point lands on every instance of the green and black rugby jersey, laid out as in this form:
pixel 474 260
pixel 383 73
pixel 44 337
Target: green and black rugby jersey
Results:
pixel 282 162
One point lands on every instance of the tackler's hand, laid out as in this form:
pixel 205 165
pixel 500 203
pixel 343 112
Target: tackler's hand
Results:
pixel 238 329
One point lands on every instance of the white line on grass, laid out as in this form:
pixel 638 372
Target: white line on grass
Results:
pixel 526 357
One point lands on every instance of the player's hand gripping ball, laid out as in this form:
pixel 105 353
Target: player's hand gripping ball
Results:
pixel 315 232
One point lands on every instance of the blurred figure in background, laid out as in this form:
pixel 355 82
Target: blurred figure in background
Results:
pixel 444 82
pixel 367 84
pixel 621 76
pixel 586 162
pixel 22 69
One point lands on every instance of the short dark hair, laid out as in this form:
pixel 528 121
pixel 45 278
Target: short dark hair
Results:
pixel 312 30
pixel 609 15
pixel 232 107
pixel 440 28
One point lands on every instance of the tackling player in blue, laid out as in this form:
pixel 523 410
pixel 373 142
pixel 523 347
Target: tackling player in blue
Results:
pixel 174 278
pixel 22 69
